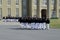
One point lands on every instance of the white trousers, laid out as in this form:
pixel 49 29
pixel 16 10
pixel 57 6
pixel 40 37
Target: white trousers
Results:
pixel 47 26
pixel 40 26
pixel 44 25
pixel 22 25
pixel 28 25
pixel 32 25
pixel 37 26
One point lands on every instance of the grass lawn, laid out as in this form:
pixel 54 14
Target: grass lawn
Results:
pixel 55 23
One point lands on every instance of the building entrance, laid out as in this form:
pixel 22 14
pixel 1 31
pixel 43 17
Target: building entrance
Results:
pixel 44 13
pixel 24 8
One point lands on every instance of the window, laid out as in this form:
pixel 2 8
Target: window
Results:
pixel 35 12
pixel 35 2
pixel 0 2
pixel 9 2
pixel 0 12
pixel 44 2
pixel 53 14
pixel 59 2
pixel 53 2
pixel 17 12
pixel 24 2
pixel 9 11
pixel 17 2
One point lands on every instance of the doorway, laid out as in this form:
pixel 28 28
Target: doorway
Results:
pixel 43 13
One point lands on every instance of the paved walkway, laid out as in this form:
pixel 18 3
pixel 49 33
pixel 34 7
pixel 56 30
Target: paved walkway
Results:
pixel 13 32
pixel 9 23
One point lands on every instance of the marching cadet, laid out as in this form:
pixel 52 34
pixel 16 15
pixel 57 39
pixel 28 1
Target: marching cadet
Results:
pixel 4 19
pixel 44 24
pixel 40 23
pixel 32 23
pixel 22 22
pixel 37 23
pixel 47 23
pixel 27 23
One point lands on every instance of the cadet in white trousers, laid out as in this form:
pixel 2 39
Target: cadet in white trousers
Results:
pixel 40 24
pixel 44 23
pixel 36 21
pixel 32 23
pixel 47 23
pixel 21 22
pixel 24 21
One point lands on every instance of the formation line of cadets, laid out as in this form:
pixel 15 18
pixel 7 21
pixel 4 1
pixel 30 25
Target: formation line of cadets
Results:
pixel 34 23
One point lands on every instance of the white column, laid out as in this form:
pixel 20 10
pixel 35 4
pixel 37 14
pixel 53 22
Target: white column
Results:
pixel 33 5
pixel 56 8
pixel 20 8
pixel 48 8
pixel 38 8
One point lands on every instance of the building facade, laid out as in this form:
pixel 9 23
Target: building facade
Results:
pixel 22 8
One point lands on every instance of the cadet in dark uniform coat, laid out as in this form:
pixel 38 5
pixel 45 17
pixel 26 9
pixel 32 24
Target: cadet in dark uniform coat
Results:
pixel 22 22
pixel 27 23
pixel 36 23
pixel 32 23
pixel 44 24
pixel 47 23
pixel 19 20
pixel 39 23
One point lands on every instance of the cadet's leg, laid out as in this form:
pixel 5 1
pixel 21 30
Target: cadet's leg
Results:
pixel 47 26
pixel 39 26
pixel 35 25
pixel 22 25
pixel 44 26
pixel 32 25
pixel 27 25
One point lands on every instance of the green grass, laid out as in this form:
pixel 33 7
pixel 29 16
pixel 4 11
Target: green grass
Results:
pixel 55 23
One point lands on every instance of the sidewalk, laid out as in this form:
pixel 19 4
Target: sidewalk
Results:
pixel 9 23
